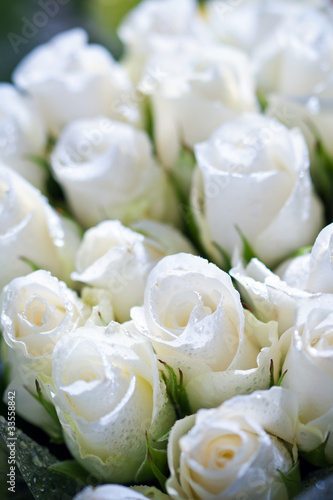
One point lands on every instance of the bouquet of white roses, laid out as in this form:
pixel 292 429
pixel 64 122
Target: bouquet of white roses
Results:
pixel 166 241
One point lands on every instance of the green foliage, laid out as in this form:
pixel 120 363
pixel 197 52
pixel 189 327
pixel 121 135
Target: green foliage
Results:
pixel 248 252
pixel 176 391
pixel 292 480
pixel 317 456
pixel 33 462
pixel 55 431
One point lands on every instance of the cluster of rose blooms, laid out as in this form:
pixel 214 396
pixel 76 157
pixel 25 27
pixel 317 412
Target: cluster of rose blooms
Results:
pixel 173 137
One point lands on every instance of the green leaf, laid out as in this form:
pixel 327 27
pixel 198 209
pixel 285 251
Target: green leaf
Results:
pixel 30 263
pixel 317 456
pixel 292 480
pixel 224 255
pixel 33 461
pixel 56 431
pixel 176 391
pixel 70 469
pixel 248 252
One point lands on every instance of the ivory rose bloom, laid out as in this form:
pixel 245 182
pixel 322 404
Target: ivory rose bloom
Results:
pixel 266 294
pixel 250 24
pixel 117 492
pixel 194 318
pixel 23 134
pixel 152 19
pixel 235 449
pixel 71 79
pixel 31 229
pixel 119 259
pixel 37 310
pixel 312 271
pixel 295 70
pixel 196 88
pixel 108 395
pixel 108 171
pixel 253 173
pixel 309 363
pixel 276 296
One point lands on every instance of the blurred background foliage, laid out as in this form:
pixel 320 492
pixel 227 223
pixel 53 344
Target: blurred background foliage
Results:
pixel 18 19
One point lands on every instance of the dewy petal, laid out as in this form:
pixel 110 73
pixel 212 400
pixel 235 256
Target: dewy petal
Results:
pixel 108 436
pixel 85 166
pixel 84 79
pixel 267 296
pixel 115 257
pixel 249 370
pixel 61 312
pixel 255 172
pixel 201 461
pixel 309 368
pixel 29 228
pixel 191 310
pixel 320 277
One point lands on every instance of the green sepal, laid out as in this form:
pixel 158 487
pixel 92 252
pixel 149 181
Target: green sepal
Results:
pixel 262 99
pixel 149 120
pixel 281 378
pixel 292 480
pixel 104 323
pixel 56 431
pixel 176 391
pixel 224 255
pixel 317 456
pixel 300 252
pixel 164 438
pixel 155 462
pixel 322 176
pixel 39 160
pixel 271 374
pixel 30 263
pixel 248 252
pixel 70 469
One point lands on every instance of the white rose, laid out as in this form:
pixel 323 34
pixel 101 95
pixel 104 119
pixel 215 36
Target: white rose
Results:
pixel 312 271
pixel 266 294
pixel 108 395
pixel 151 19
pixel 276 296
pixel 254 173
pixel 117 492
pixel 31 229
pixel 309 374
pixel 70 79
pixel 22 134
pixel 194 318
pixel 295 70
pixel 249 24
pixel 116 258
pixel 234 450
pixel 108 171
pixel 37 310
pixel 196 87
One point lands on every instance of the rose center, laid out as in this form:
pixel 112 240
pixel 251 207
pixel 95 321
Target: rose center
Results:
pixel 222 450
